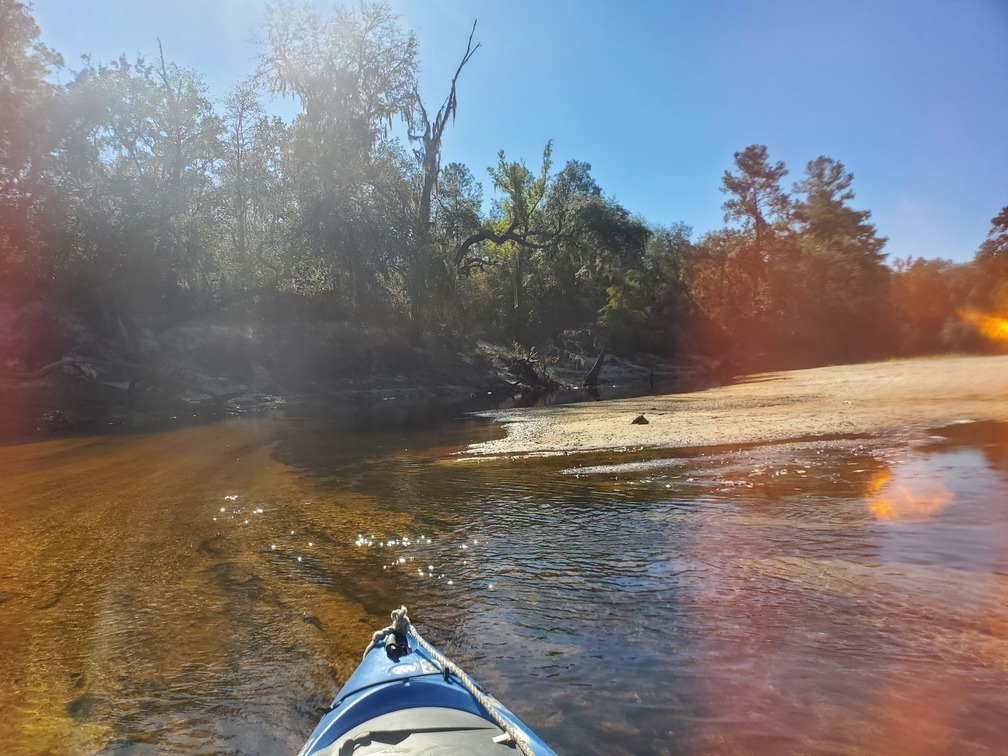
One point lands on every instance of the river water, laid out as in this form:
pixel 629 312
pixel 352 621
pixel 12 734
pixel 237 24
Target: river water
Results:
pixel 205 589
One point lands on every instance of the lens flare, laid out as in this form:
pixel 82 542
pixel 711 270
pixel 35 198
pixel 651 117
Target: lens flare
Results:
pixel 912 494
pixel 992 327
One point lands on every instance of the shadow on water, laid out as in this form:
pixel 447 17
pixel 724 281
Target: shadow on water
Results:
pixel 204 590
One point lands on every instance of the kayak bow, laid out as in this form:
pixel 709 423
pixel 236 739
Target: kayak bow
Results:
pixel 407 697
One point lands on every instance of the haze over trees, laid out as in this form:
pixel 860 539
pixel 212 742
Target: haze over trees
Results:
pixel 132 197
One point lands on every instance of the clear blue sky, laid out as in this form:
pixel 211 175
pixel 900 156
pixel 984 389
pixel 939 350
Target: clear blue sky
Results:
pixel 911 95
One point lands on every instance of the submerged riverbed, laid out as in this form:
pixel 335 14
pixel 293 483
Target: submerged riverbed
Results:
pixel 205 590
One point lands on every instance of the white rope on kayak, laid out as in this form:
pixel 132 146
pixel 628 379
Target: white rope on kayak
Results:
pixel 400 624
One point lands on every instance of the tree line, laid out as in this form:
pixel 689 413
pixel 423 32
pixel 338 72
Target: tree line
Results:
pixel 130 195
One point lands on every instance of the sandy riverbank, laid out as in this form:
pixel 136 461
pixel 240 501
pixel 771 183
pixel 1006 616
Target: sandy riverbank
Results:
pixel 903 397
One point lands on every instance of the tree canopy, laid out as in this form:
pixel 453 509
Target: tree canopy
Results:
pixel 130 193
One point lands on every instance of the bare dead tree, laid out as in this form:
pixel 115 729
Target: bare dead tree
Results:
pixel 429 152
pixel 429 135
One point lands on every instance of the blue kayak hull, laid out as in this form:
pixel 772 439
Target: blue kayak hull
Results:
pixel 406 703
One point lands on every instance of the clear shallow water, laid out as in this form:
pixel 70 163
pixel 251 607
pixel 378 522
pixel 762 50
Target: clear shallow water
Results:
pixel 204 590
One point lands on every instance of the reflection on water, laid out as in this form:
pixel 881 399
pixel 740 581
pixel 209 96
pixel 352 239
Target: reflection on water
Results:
pixel 204 590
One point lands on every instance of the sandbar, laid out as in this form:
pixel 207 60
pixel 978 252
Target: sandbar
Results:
pixel 901 398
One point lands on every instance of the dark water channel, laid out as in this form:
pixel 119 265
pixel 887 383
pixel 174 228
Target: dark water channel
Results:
pixel 204 590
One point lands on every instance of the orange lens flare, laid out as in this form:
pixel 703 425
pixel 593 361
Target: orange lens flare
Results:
pixel 911 495
pixel 991 327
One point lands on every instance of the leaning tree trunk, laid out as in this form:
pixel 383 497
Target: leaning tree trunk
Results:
pixel 592 378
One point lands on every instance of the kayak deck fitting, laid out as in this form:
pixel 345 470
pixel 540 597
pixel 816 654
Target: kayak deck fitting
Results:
pixel 406 697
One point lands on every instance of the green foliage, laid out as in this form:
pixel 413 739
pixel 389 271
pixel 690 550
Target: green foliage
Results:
pixel 845 281
pixel 802 279
pixel 762 209
pixel 925 296
pixel 254 196
pixel 27 129
pixel 626 307
pixel 995 246
pixel 825 217
pixel 521 192
pixel 665 288
pixel 456 214
pixel 139 166
pixel 521 226
pixel 989 290
pixel 723 312
pixel 458 207
pixel 755 197
pixel 352 71
pixel 563 243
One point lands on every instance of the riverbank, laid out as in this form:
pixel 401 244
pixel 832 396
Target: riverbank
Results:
pixel 61 372
pixel 902 397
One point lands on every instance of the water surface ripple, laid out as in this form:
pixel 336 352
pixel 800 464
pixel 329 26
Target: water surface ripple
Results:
pixel 204 590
